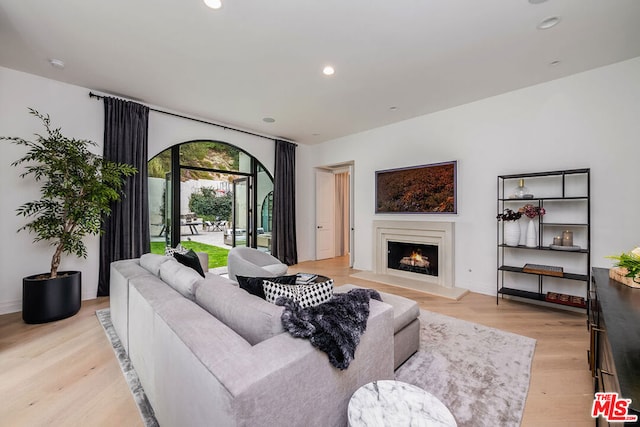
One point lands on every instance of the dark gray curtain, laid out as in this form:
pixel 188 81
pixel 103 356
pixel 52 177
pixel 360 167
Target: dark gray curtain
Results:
pixel 283 243
pixel 126 230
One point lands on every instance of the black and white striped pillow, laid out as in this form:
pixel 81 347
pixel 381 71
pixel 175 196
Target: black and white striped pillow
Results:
pixel 306 295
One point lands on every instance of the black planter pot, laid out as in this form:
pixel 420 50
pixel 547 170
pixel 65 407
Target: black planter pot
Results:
pixel 46 300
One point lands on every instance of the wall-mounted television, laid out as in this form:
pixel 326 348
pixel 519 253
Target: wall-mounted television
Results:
pixel 425 189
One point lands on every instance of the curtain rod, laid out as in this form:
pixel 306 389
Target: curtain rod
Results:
pixel 93 95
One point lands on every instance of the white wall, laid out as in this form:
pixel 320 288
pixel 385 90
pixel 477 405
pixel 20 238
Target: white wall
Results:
pixel 589 120
pixel 166 131
pixel 586 120
pixel 81 117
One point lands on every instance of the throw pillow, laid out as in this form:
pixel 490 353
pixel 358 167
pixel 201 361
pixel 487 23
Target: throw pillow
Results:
pixel 253 285
pixel 305 295
pixel 152 262
pixel 181 278
pixel 190 259
pixel 169 251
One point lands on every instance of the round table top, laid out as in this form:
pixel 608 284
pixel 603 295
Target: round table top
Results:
pixel 394 403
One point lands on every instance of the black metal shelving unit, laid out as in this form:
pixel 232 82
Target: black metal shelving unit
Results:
pixel 555 180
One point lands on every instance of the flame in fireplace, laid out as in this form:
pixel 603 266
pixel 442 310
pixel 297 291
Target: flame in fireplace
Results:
pixel 416 260
pixel 416 256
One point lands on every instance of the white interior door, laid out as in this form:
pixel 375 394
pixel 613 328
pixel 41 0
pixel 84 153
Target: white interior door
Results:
pixel 325 215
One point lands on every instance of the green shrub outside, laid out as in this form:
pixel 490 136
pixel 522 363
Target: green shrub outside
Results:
pixel 209 206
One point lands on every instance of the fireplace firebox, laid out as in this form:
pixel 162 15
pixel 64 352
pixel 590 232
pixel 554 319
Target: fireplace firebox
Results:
pixel 413 257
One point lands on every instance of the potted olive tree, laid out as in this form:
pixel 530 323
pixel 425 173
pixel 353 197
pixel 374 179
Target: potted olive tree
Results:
pixel 77 189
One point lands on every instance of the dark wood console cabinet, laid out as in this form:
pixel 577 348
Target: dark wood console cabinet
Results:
pixel 614 354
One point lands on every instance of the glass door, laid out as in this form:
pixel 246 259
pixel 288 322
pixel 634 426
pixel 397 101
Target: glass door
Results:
pixel 264 209
pixel 241 213
pixel 166 196
pixel 210 193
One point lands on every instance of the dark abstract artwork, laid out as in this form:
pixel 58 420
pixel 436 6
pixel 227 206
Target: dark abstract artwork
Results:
pixel 418 189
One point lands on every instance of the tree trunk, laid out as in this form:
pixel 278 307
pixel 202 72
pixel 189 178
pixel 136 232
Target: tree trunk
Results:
pixel 55 261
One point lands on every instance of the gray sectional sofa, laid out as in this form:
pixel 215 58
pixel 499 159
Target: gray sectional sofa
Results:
pixel 209 353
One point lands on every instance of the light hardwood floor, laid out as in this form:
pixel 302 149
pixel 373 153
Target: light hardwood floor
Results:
pixel 65 373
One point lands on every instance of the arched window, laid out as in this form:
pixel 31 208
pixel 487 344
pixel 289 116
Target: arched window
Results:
pixel 209 196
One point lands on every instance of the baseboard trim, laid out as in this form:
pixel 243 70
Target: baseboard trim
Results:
pixel 7 307
pixel 15 306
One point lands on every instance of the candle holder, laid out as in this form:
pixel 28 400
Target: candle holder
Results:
pixel 557 240
pixel 522 192
pixel 567 238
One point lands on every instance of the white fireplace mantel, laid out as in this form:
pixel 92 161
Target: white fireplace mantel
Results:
pixel 436 233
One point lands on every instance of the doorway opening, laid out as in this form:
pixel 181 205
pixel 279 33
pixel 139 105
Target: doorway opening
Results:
pixel 209 196
pixel 335 212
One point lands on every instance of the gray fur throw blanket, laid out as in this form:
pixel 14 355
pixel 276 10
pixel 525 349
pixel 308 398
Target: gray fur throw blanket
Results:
pixel 335 326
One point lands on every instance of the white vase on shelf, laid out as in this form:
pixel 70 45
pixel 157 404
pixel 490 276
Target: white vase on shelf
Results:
pixel 532 236
pixel 511 233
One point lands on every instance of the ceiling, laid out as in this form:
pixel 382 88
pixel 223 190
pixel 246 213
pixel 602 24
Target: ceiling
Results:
pixel 257 59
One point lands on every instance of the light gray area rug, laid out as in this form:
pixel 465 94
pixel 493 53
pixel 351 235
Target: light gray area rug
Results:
pixel 146 411
pixel 481 374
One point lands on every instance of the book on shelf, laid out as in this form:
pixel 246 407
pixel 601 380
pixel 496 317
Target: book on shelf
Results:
pixel 549 270
pixel 564 299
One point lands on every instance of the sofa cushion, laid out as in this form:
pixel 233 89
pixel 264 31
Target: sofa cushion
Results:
pixel 307 295
pixel 249 316
pixel 181 278
pixel 152 262
pixel 254 285
pixel 191 260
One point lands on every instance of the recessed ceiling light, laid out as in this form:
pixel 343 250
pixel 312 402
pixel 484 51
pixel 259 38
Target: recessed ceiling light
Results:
pixel 394 108
pixel 554 63
pixel 537 1
pixel 213 4
pixel 56 63
pixel 549 22
pixel 328 70
pixel 268 120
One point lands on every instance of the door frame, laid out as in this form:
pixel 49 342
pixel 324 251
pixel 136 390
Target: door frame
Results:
pixel 349 167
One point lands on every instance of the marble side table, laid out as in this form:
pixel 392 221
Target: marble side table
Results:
pixel 394 403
